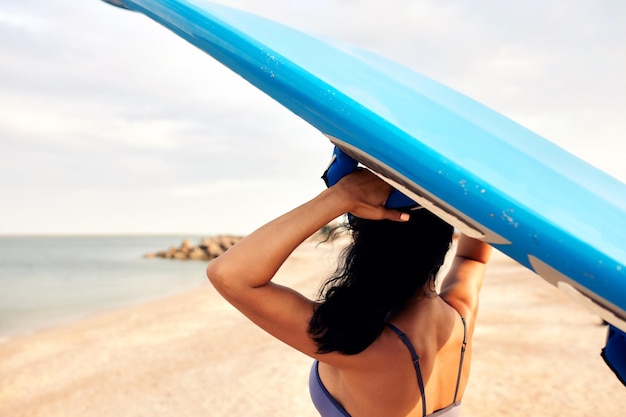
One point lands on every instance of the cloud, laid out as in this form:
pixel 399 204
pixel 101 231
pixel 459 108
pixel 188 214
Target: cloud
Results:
pixel 109 122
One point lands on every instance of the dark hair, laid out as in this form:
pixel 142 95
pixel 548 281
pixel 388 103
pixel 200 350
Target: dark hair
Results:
pixel 387 264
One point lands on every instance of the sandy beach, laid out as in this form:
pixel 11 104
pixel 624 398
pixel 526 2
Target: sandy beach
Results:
pixel 535 353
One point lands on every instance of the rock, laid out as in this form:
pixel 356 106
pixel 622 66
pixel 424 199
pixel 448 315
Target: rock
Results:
pixel 209 248
pixel 186 247
pixel 171 252
pixel 197 254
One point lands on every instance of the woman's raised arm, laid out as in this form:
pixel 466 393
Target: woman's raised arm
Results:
pixel 462 284
pixel 243 274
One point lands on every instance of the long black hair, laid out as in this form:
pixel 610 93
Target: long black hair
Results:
pixel 387 265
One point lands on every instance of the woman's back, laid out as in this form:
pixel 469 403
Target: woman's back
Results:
pixel 383 379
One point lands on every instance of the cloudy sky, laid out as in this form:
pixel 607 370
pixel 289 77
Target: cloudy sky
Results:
pixel 111 124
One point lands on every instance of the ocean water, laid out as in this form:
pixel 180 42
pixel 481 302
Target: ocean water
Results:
pixel 45 281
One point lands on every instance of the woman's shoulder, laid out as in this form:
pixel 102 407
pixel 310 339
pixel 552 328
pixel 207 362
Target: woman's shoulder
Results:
pixel 457 306
pixel 428 324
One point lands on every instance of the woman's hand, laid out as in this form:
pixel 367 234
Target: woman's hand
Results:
pixel 365 195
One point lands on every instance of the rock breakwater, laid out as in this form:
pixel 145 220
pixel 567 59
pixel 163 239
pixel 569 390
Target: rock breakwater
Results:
pixel 208 248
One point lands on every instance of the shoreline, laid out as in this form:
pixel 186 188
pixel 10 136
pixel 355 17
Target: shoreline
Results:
pixel 51 281
pixel 192 354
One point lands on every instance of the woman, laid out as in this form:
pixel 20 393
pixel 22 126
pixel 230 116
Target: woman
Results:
pixel 385 343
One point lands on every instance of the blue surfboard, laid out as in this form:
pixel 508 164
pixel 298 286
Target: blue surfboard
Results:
pixel 487 175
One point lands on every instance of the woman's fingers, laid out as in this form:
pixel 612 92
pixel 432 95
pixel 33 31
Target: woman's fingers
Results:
pixel 366 188
pixel 380 213
pixel 400 216
pixel 367 195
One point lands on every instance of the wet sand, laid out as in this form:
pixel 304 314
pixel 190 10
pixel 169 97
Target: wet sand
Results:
pixel 535 353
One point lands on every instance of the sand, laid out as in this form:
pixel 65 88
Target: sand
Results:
pixel 535 353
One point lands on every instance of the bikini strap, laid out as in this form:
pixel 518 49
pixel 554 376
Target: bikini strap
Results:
pixel 416 363
pixel 458 378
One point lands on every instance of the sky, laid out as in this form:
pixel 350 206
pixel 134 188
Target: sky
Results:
pixel 111 124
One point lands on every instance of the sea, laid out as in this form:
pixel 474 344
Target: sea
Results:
pixel 49 280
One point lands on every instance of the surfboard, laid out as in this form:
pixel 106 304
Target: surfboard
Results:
pixel 490 177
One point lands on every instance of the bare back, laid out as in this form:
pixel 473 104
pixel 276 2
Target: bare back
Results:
pixel 382 380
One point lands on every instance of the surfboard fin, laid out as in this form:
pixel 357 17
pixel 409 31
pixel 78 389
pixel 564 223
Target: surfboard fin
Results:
pixel 614 353
pixel 117 3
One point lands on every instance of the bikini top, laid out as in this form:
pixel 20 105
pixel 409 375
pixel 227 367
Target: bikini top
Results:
pixel 328 406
